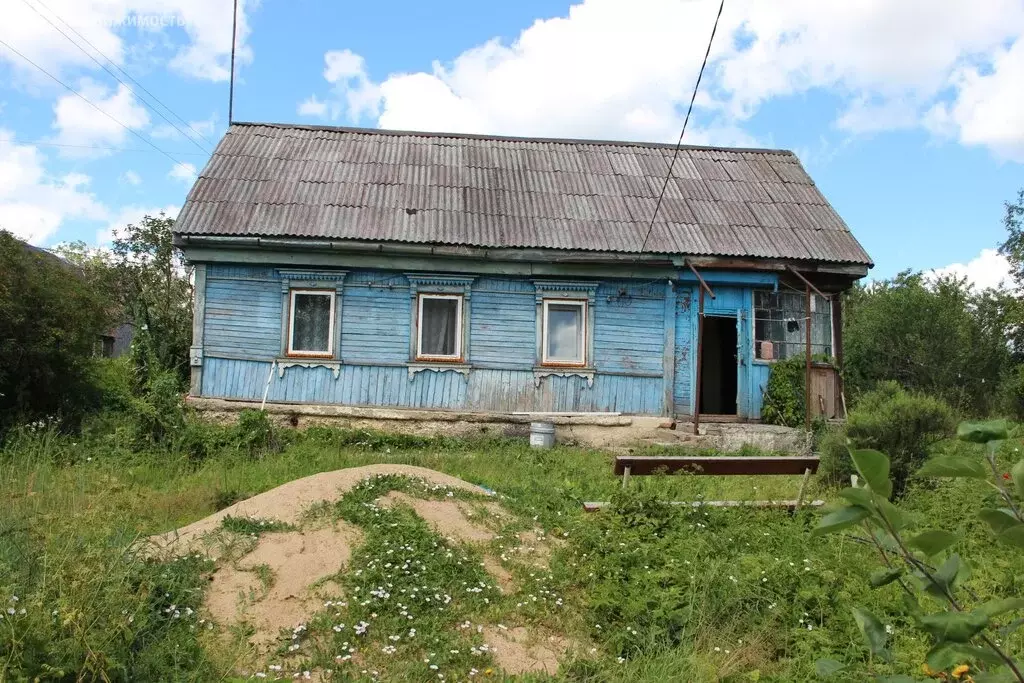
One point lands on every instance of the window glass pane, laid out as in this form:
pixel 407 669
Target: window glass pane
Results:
pixel 565 332
pixel 439 327
pixel 311 323
pixel 780 320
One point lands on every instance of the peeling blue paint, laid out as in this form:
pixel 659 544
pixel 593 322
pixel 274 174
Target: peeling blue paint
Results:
pixel 631 325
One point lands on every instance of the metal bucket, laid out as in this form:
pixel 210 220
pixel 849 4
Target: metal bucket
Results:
pixel 542 434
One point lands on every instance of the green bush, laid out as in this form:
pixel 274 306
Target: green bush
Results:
pixel 254 433
pixel 1011 394
pixel 784 403
pixel 894 421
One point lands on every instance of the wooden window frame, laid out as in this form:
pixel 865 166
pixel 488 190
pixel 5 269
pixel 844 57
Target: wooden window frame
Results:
pixel 292 293
pixel 457 357
pixel 583 305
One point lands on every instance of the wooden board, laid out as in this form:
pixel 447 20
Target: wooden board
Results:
pixel 790 504
pixel 640 465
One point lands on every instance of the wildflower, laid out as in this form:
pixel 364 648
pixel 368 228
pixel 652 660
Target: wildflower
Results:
pixel 1006 476
pixel 960 671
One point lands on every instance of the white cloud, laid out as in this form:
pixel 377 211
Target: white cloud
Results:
pixel 33 203
pixel 130 215
pixel 989 269
pixel 130 177
pixel 989 105
pixel 81 126
pixel 312 107
pixel 183 171
pixel 205 26
pixel 625 70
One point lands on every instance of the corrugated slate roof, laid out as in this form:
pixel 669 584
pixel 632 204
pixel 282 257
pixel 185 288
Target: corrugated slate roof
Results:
pixel 489 191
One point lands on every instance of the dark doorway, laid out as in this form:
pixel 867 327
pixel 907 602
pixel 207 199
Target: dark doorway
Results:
pixel 718 367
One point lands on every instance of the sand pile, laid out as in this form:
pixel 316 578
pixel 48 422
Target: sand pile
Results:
pixel 280 579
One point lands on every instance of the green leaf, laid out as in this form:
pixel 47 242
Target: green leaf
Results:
pixel 828 667
pixel 891 513
pixel 982 432
pixel 911 603
pixel 1018 477
pixel 953 466
pixel 998 520
pixel 948 655
pixel 840 519
pixel 874 467
pixel 858 496
pixel 1001 676
pixel 883 577
pixel 932 542
pixel 993 608
pixel 958 627
pixel 872 630
pixel 944 576
pixel 1013 536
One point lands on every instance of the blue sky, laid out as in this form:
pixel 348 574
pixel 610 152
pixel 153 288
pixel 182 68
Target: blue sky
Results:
pixel 908 115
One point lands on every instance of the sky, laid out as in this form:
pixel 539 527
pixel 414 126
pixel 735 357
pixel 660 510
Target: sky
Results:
pixel 909 115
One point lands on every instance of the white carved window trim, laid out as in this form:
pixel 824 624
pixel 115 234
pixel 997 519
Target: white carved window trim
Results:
pixel 459 332
pixel 332 298
pixel 549 362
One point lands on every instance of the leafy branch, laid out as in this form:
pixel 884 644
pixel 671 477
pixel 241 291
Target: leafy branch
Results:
pixel 959 634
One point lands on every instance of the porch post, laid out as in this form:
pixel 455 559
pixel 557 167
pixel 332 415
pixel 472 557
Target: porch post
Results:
pixel 700 349
pixel 198 324
pixel 807 373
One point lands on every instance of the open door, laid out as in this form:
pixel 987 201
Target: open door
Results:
pixel 720 366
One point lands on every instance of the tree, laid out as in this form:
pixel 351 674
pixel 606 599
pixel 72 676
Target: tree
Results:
pixel 50 322
pixel 1013 247
pixel 936 337
pixel 155 288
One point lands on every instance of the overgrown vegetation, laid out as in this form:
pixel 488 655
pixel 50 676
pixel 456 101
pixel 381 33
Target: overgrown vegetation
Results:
pixel 968 633
pixel 890 419
pixel 660 591
pixel 784 397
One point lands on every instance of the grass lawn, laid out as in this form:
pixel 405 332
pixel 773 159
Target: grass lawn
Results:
pixel 644 592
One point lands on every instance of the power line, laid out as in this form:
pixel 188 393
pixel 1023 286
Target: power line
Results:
pixel 686 120
pixel 47 143
pixel 118 79
pixel 89 102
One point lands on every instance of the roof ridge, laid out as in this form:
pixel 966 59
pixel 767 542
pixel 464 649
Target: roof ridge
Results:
pixel 512 138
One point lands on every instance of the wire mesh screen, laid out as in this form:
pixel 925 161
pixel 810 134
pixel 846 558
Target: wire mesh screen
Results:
pixel 780 320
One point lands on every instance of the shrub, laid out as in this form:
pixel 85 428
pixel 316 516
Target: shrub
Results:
pixel 254 434
pixel 784 403
pixel 894 421
pixel 1011 394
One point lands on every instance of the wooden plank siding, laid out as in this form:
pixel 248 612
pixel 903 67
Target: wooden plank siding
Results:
pixel 643 332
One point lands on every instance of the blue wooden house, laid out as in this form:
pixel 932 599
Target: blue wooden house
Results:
pixel 495 274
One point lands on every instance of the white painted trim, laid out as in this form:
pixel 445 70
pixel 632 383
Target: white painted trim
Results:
pixel 329 353
pixel 582 305
pixel 419 327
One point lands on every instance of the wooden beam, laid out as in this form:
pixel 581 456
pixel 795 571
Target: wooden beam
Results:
pixel 807 369
pixel 639 465
pixel 808 282
pixel 700 351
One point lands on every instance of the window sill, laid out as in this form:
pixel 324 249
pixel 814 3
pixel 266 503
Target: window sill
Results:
pixel 332 364
pixel 539 373
pixel 438 366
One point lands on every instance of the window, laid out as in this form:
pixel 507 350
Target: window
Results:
pixel 440 327
pixel 779 325
pixel 564 332
pixel 311 323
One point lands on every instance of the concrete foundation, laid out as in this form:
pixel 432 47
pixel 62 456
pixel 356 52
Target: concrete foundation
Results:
pixel 596 430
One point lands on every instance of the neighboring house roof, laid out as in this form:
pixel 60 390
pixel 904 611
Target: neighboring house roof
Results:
pixel 273 180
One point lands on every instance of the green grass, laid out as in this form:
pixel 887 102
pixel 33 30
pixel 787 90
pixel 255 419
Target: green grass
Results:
pixel 656 592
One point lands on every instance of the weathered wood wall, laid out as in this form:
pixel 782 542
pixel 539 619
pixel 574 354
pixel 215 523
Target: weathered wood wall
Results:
pixel 644 332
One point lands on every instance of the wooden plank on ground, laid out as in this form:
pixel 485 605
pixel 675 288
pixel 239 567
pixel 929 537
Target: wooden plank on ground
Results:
pixel 784 504
pixel 725 465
